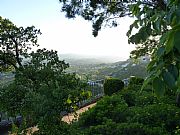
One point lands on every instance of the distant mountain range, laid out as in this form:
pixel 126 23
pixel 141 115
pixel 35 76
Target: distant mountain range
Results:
pixel 75 59
pixel 95 69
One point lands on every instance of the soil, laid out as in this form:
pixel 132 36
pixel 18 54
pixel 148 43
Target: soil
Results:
pixel 72 116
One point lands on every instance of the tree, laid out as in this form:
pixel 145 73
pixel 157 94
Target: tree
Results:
pixel 15 43
pixel 157 20
pixel 41 89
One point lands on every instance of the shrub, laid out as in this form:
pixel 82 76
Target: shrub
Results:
pixel 157 115
pixel 112 128
pixel 112 85
pixel 113 107
pixel 133 96
pixel 138 129
pixel 107 128
pixel 136 80
pixel 129 95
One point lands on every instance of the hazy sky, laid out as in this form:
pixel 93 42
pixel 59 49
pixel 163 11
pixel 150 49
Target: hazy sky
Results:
pixel 64 35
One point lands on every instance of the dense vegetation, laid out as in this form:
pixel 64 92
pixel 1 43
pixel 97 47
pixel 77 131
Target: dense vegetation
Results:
pixel 131 112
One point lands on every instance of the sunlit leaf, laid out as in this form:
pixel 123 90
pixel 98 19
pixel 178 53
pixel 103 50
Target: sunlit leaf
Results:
pixel 69 101
pixel 89 93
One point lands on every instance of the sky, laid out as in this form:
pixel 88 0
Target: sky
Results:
pixel 67 36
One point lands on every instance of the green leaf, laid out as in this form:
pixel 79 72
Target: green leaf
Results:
pixel 148 29
pixel 163 38
pixel 75 107
pixel 89 94
pixel 173 70
pixel 153 18
pixel 178 90
pixel 160 65
pixel 135 39
pixel 150 65
pixel 141 22
pixel 160 52
pixel 130 29
pixel 178 82
pixel 157 24
pixel 135 9
pixel 68 101
pixel 145 36
pixel 83 93
pixel 177 40
pixel 169 79
pixel 170 42
pixel 177 12
pixel 158 87
pixel 177 56
pixel 174 20
pixel 147 81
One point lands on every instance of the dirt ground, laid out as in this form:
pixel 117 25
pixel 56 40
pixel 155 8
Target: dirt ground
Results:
pixel 70 117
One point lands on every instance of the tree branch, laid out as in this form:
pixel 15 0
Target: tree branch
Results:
pixel 116 17
pixel 16 50
pixel 6 61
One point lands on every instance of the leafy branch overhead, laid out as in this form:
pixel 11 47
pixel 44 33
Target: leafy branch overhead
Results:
pixel 106 12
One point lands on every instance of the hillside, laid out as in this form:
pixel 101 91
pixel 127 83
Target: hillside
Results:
pixel 91 68
pixel 125 69
pixel 75 59
pixel 99 70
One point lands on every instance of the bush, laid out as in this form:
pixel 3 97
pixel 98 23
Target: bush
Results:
pixel 113 107
pixel 133 96
pixel 112 128
pixel 136 80
pixel 138 129
pixel 157 115
pixel 112 85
